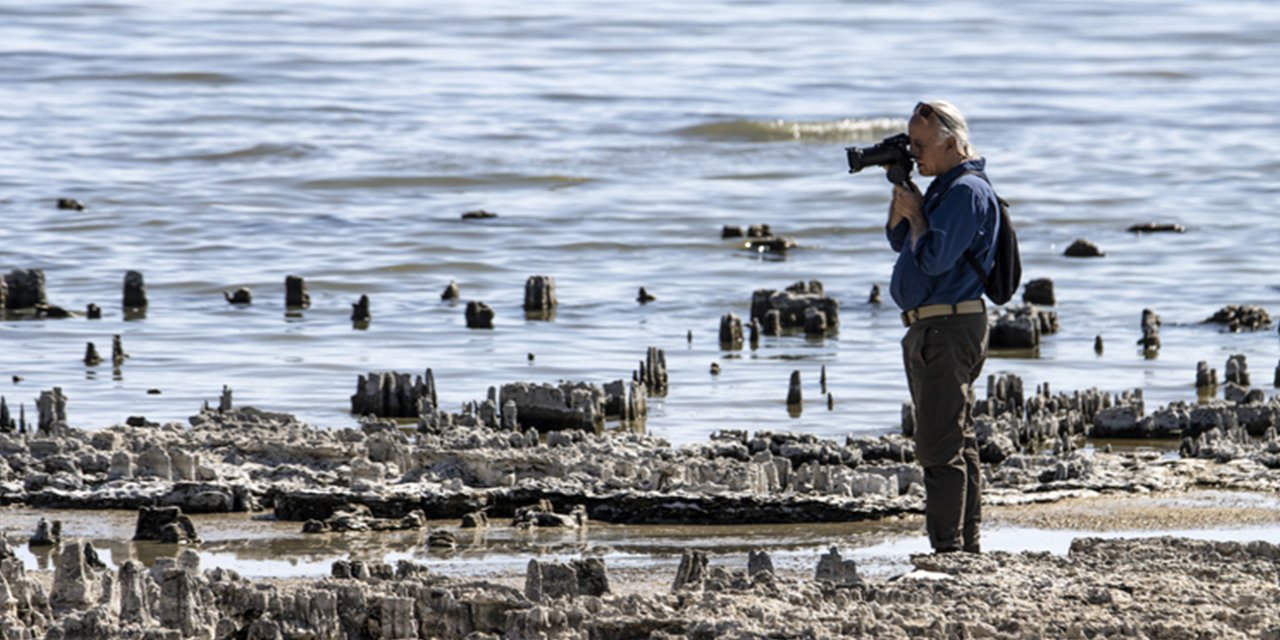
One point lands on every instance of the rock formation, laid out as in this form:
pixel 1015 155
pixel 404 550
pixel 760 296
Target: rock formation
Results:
pixel 797 307
pixel 295 293
pixel 135 291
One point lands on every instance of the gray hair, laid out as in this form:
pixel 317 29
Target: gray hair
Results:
pixel 951 124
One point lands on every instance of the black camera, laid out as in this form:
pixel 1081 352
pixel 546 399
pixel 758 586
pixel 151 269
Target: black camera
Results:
pixel 893 152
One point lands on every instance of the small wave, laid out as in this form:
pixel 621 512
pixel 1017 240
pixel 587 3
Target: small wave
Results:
pixel 848 129
pixel 403 182
pixel 1154 74
pixel 255 152
pixel 194 77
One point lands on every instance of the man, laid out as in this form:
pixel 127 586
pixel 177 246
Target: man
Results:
pixel 941 298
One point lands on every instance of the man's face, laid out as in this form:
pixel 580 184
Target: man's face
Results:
pixel 930 149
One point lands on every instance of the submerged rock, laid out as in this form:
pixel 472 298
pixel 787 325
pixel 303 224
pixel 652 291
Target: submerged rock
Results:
pixel 1237 318
pixel 1082 248
pixel 479 315
pixel 242 295
pixel 135 291
pixel 1022 327
pixel 1156 227
pixel 797 308
pixel 47 534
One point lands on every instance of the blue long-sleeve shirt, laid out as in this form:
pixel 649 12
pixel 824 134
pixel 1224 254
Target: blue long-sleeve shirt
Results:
pixel 962 213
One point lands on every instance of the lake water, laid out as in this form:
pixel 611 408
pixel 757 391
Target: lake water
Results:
pixel 227 144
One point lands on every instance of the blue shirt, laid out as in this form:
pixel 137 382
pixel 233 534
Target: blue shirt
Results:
pixel 962 213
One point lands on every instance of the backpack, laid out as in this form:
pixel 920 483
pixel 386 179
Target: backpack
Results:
pixel 1006 270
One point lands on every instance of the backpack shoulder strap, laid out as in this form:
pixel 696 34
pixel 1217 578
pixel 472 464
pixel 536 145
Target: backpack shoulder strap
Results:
pixel 968 254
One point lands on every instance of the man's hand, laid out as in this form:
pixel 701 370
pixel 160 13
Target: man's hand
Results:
pixel 907 205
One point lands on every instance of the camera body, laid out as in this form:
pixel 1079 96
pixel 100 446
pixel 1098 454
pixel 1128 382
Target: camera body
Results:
pixel 893 152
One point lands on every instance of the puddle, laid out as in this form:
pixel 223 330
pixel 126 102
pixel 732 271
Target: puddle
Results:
pixel 262 547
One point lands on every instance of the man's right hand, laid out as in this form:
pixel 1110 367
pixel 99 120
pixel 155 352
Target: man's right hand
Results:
pixel 906 204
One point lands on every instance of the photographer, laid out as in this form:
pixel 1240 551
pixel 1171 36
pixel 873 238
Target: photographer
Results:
pixel 941 298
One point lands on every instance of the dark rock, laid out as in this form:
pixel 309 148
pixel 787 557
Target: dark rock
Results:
pixel 644 297
pixel 623 399
pixel 1039 291
pixel 540 294
pixel 242 295
pixel 295 293
pixel 93 312
pixel 394 395
pixel 180 531
pixel 874 297
pixel 1022 327
pixel 7 424
pixel 51 312
pixel 1083 249
pixel 152 522
pixel 135 291
pixel 548 407
pixel 1150 339
pixel 1097 344
pixel 1124 420
pixel 730 231
pixel 479 315
pixel 360 310
pixel 771 325
pixel 479 214
pixel 730 332
pixel 91 357
pixel 69 204
pixel 1241 318
pixel 25 289
pixel 653 372
pixel 815 322
pixel 118 354
pixel 794 396
pixel 47 534
pixel 793 305
pixel 1206 378
pixel 759 231
pixel 778 244
pixel 1156 227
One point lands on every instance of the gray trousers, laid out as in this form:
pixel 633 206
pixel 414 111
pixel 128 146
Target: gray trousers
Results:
pixel 944 357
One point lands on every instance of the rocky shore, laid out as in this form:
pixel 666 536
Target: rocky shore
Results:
pixel 564 472
pixel 450 465
pixel 1155 588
